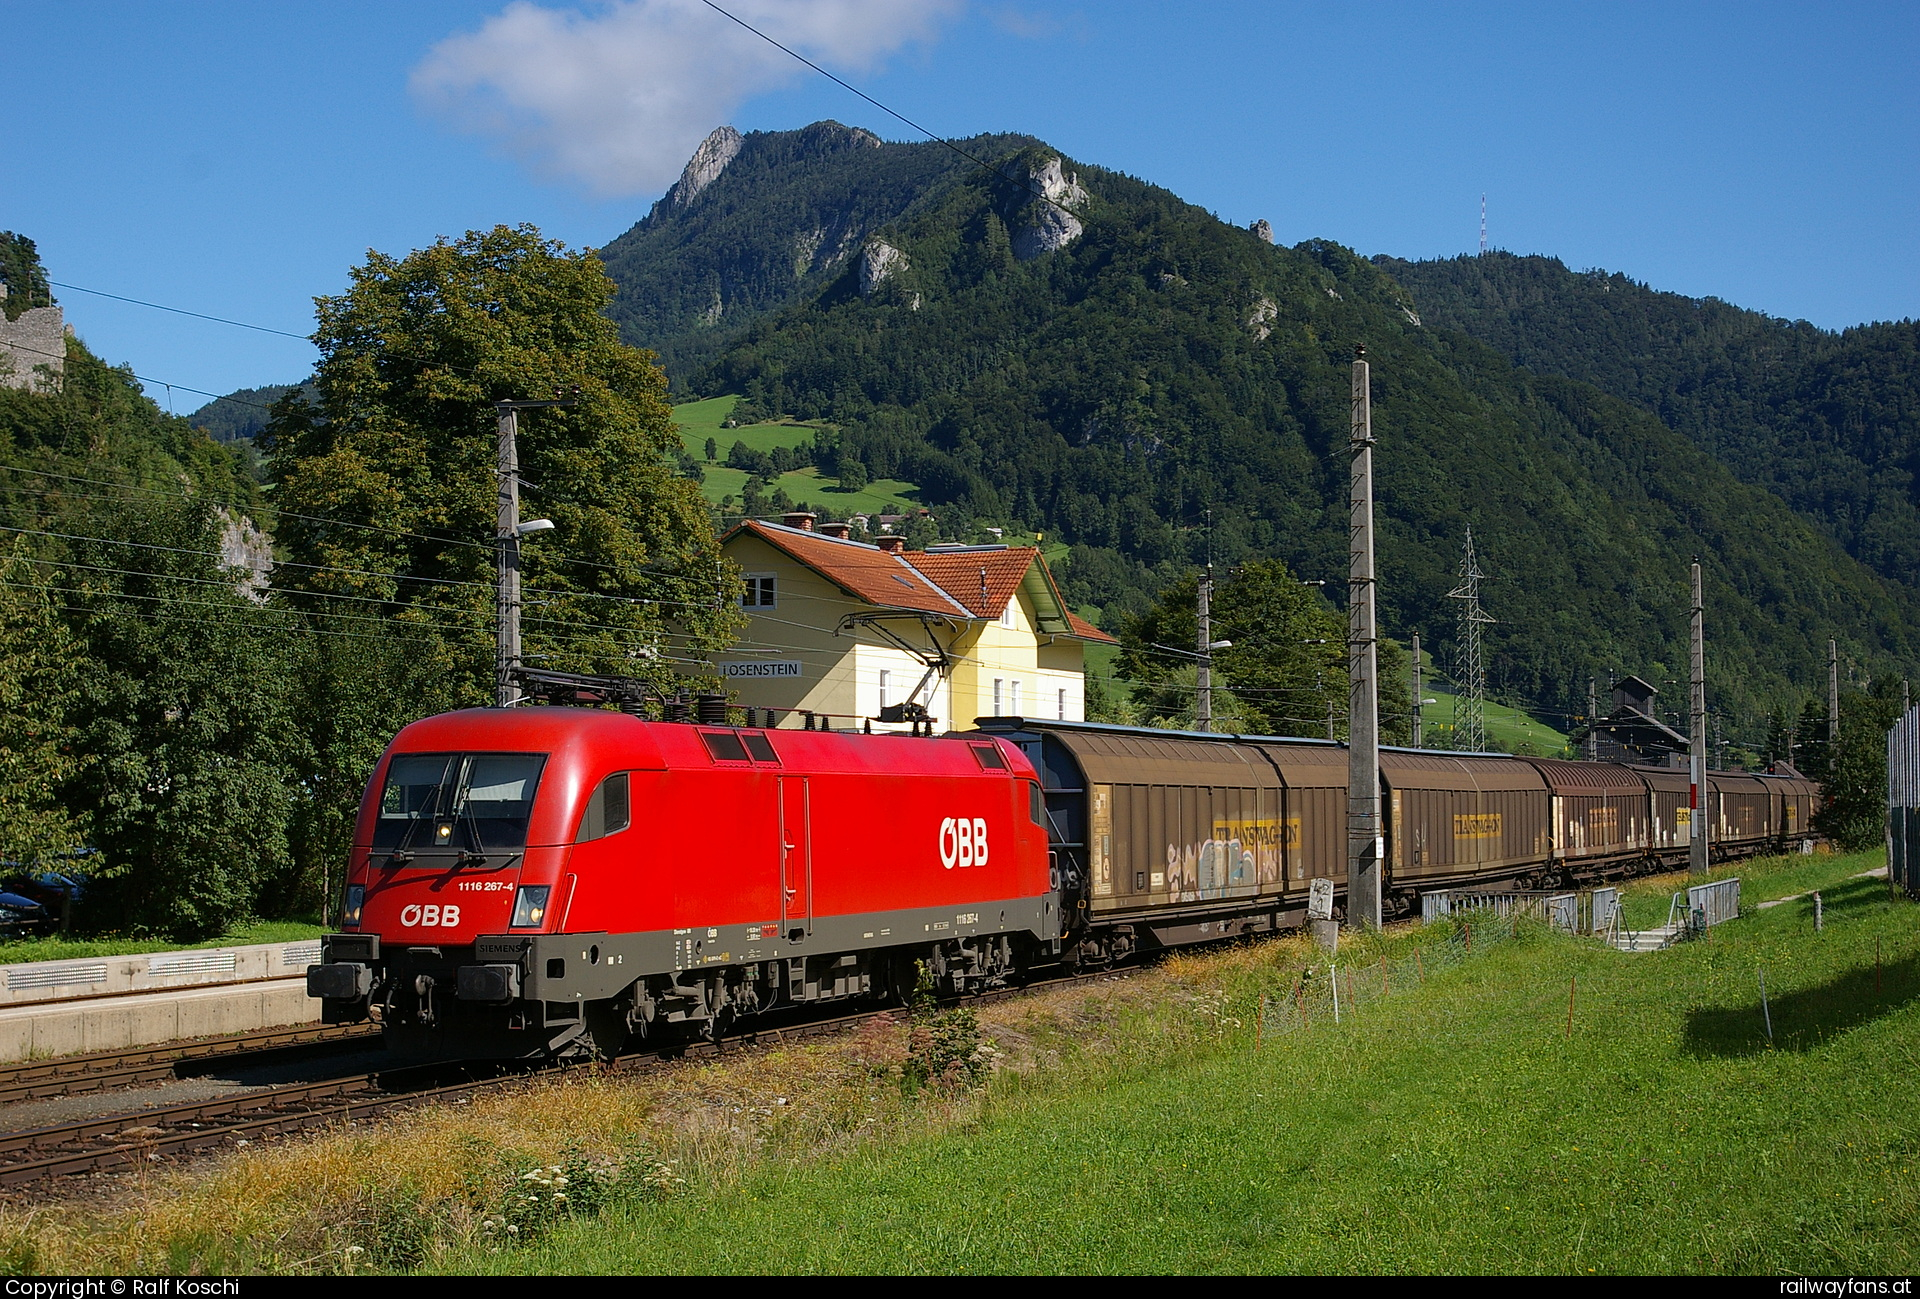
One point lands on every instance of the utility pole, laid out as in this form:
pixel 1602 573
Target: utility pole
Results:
pixel 1203 698
pixel 1417 710
pixel 1366 842
pixel 1698 848
pixel 1833 706
pixel 507 531
pixel 1593 720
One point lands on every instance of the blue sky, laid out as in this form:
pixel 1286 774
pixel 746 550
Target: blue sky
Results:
pixel 237 159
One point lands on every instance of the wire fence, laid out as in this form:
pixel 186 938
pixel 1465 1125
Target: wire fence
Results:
pixel 1903 804
pixel 1340 990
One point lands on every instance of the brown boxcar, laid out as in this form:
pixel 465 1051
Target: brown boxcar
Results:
pixel 1797 799
pixel 1600 813
pixel 1314 836
pixel 1461 816
pixel 1173 820
pixel 1745 813
pixel 1671 816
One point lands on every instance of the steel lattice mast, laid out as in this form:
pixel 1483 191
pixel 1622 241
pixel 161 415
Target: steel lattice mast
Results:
pixel 1470 705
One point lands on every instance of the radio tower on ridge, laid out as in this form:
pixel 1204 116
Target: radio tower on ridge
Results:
pixel 1470 705
pixel 1483 224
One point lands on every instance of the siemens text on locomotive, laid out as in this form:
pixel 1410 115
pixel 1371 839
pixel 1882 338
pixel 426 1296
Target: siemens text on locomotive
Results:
pixel 545 881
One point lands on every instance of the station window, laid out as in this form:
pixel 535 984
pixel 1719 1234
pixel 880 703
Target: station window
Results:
pixel 886 682
pixel 1063 703
pixel 759 592
pixel 999 689
pixel 1009 616
pixel 609 811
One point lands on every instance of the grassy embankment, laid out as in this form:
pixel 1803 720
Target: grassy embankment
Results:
pixel 55 948
pixel 1136 1126
pixel 1509 729
pixel 1458 1127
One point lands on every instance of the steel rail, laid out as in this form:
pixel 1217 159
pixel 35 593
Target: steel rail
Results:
pixel 105 1070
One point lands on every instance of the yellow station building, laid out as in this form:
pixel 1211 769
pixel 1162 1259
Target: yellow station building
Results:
pixel 878 635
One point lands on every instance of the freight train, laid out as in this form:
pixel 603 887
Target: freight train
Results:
pixel 553 881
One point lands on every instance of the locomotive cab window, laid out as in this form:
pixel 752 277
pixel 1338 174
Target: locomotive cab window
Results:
pixel 608 811
pixel 457 802
pixel 988 756
pixel 1036 805
pixel 760 747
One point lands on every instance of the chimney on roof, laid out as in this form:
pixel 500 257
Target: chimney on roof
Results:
pixel 801 519
pixel 892 545
pixel 836 530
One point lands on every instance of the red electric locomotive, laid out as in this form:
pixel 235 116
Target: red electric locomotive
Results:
pixel 541 881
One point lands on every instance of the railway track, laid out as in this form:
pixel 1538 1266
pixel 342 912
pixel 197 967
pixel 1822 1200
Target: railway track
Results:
pixel 152 1135
pixel 107 1070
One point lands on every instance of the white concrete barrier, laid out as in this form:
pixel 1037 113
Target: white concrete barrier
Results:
pixel 97 976
pixel 109 1023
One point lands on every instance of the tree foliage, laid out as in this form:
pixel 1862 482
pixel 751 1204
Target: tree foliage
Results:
pixel 1855 779
pixel 148 701
pixel 39 679
pixel 388 479
pixel 1285 672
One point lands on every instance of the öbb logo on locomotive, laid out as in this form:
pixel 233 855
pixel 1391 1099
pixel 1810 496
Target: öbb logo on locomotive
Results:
pixel 963 842
pixel 446 915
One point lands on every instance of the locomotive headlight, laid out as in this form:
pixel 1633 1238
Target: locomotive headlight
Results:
pixel 350 914
pixel 529 906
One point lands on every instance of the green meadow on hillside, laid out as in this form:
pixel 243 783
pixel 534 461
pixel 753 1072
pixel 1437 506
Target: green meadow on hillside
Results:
pixel 1509 729
pixel 700 420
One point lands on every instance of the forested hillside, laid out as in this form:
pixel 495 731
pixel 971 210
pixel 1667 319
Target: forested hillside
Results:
pixel 149 707
pixel 240 414
pixel 1163 387
pixel 1828 421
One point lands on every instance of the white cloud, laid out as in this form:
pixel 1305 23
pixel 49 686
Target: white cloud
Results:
pixel 619 98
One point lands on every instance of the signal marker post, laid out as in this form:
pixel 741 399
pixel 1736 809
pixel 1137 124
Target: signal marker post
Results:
pixel 508 530
pixel 1698 846
pixel 1365 840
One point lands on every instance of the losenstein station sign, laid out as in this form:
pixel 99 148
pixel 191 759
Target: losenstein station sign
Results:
pixel 756 669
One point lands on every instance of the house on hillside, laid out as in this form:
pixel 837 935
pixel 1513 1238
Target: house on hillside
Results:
pixel 880 635
pixel 1632 732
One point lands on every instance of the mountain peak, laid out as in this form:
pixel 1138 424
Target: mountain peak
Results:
pixel 720 147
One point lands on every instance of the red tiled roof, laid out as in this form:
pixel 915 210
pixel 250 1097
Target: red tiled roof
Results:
pixel 983 580
pixel 970 583
pixel 860 570
pixel 1087 631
